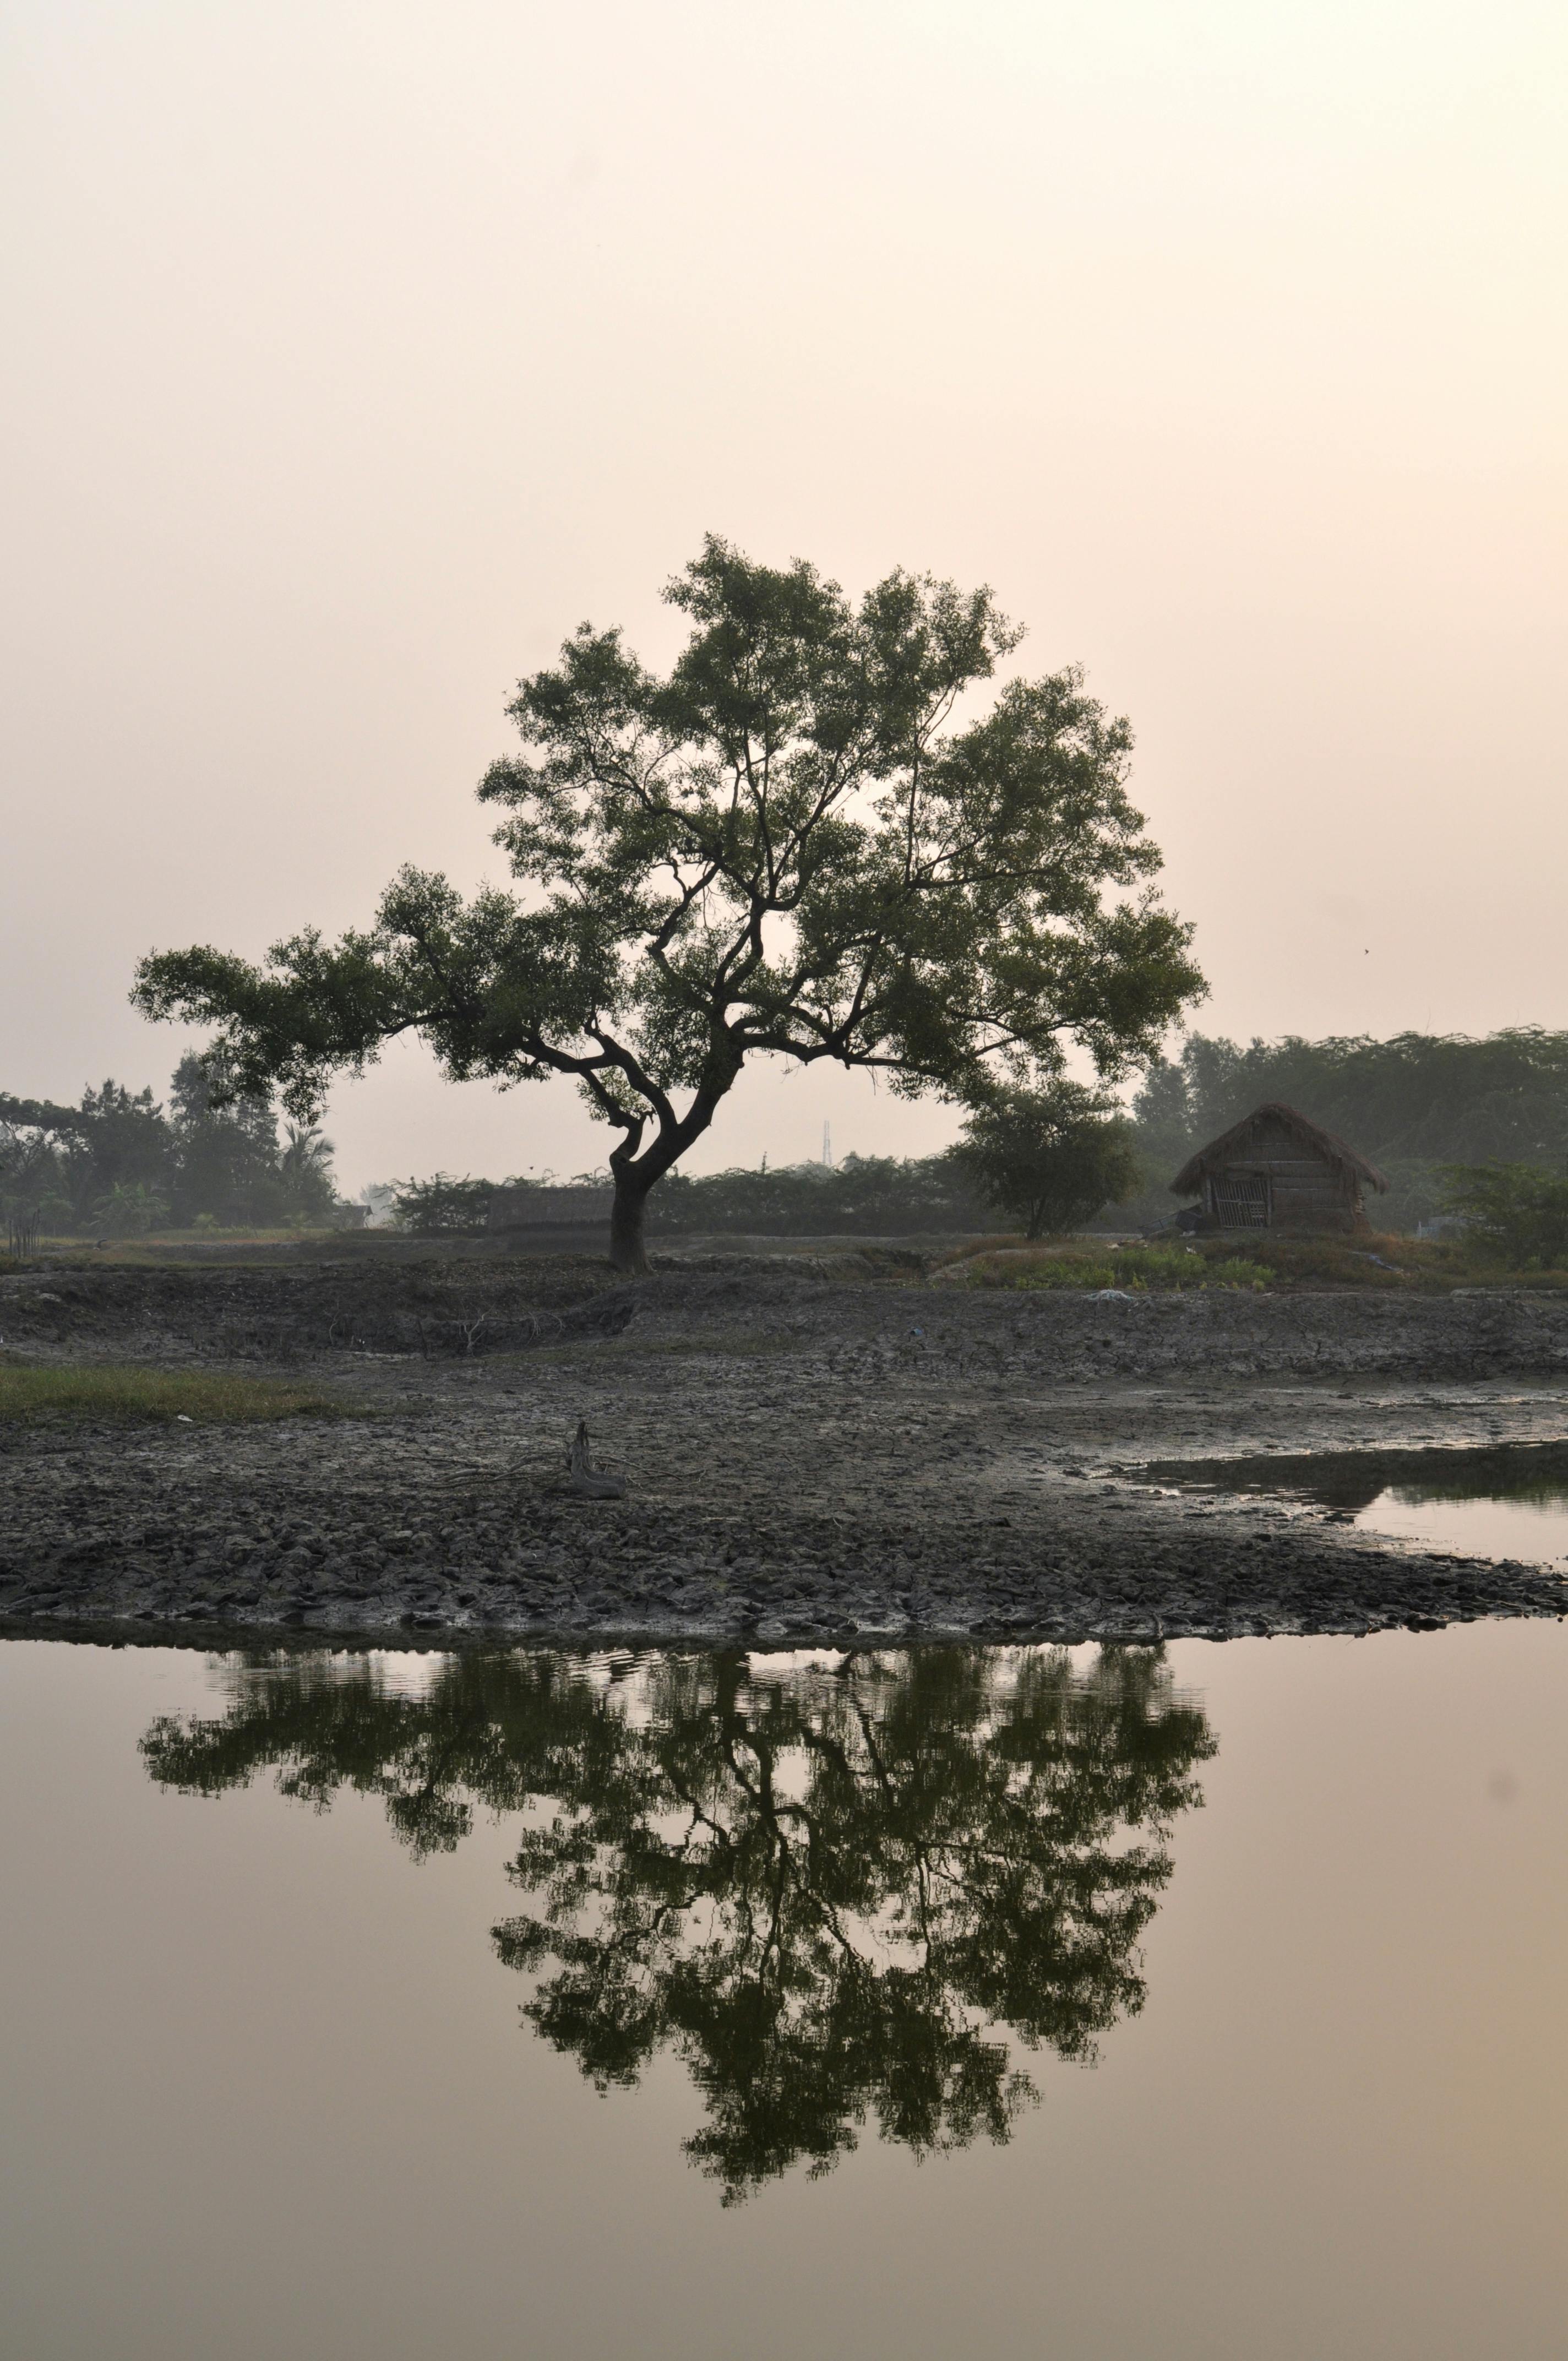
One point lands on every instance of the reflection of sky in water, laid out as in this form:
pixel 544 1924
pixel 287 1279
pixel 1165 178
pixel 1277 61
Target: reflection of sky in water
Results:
pixel 240 2027
pixel 1536 1531
pixel 406 1672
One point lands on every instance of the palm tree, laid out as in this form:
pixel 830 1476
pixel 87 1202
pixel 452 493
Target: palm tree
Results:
pixel 304 1166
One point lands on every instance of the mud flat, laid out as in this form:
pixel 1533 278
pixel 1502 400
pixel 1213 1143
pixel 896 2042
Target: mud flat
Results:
pixel 814 1449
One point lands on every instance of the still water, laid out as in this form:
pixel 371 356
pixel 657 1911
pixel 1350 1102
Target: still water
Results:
pixel 1198 2004
pixel 1506 1501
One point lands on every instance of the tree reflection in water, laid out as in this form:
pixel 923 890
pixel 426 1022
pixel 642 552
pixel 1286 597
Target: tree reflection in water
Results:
pixel 835 1886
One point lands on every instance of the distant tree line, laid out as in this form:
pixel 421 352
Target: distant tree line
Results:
pixel 120 1164
pixel 1436 1113
pixel 1418 1105
pixel 1443 1116
pixel 861 1196
pixel 1045 1161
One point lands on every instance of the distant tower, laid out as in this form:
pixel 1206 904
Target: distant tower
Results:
pixel 827 1146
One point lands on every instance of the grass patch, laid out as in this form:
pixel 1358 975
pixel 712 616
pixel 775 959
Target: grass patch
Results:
pixel 1383 1260
pixel 164 1395
pixel 1370 1262
pixel 149 1242
pixel 1137 1269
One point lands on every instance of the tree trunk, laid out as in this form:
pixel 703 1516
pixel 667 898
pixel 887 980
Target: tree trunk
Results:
pixel 627 1251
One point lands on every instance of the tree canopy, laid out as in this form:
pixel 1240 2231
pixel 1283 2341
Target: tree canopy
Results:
pixel 122 1162
pixel 839 1893
pixel 793 843
pixel 1518 1212
pixel 1050 1157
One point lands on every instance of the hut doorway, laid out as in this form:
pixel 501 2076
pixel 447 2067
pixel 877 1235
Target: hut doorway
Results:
pixel 1240 1200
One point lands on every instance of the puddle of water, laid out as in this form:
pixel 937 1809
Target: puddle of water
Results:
pixel 1534 1533
pixel 1197 2003
pixel 1497 1501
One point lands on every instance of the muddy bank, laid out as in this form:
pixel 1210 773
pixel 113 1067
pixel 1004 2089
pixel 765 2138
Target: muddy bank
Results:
pixel 808 1455
pixel 875 1309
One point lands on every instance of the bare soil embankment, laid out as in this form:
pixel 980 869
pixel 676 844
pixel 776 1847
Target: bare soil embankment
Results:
pixel 812 1450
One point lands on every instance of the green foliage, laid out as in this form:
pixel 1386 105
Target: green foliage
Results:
pixel 1370 1260
pixel 861 1196
pixel 1135 1268
pixel 161 1395
pixel 1050 1157
pixel 1517 1211
pixel 1277 1259
pixel 120 1165
pixel 838 1896
pixel 443 1207
pixel 865 1196
pixel 782 847
pixel 305 1174
pixel 1411 1105
pixel 1446 1099
pixel 130 1210
pixel 117 1159
pixel 225 1154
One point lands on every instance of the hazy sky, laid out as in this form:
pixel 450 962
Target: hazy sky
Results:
pixel 359 348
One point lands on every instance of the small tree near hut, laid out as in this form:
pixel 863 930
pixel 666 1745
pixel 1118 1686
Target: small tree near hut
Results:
pixel 1050 1157
pixel 788 845
pixel 1516 1212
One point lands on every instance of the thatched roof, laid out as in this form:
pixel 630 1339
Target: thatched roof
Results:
pixel 1224 1150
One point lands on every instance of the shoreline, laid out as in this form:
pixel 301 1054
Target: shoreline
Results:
pixel 809 1460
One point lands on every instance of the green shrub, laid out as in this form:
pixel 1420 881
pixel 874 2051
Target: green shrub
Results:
pixel 443 1207
pixel 1139 1269
pixel 1517 1211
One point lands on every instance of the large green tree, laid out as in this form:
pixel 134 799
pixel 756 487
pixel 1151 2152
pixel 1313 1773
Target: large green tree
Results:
pixel 789 844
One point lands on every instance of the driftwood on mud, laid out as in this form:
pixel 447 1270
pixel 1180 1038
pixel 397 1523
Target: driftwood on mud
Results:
pixel 588 1482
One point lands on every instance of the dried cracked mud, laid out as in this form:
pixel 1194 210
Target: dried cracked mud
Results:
pixel 813 1450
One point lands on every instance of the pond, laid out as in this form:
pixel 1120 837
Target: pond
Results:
pixel 1510 1500
pixel 1200 2003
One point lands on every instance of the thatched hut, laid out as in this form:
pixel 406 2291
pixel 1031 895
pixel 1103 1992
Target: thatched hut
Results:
pixel 1275 1170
